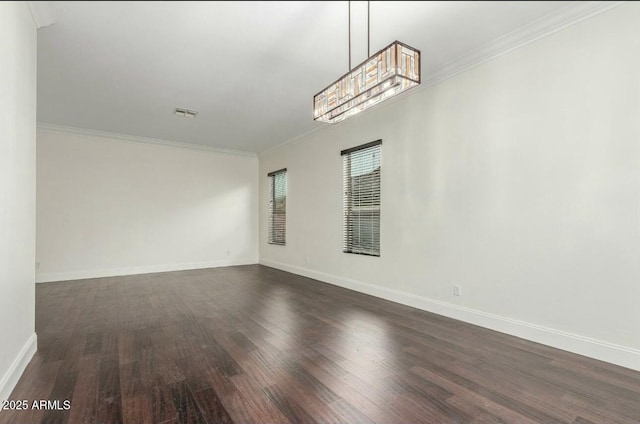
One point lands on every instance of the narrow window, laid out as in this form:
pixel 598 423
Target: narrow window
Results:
pixel 361 199
pixel 277 206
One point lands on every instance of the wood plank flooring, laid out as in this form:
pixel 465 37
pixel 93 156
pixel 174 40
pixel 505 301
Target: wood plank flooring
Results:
pixel 252 344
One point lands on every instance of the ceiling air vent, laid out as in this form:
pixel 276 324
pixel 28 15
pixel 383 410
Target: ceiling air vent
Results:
pixel 186 113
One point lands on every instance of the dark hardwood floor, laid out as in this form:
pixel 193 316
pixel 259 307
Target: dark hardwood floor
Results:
pixel 252 344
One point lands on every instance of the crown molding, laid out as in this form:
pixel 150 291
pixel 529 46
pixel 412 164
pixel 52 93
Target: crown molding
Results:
pixel 136 139
pixel 553 22
pixel 42 13
pixel 298 138
pixel 562 18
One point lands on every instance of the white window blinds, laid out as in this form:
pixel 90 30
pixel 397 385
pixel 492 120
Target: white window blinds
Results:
pixel 361 199
pixel 277 206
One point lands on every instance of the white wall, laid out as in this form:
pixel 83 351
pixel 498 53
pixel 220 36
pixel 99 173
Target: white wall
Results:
pixel 518 179
pixel 108 206
pixel 17 191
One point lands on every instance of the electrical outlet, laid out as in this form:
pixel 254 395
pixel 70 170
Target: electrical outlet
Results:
pixel 308 261
pixel 456 290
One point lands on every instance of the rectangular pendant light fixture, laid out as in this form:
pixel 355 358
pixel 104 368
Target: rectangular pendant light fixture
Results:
pixel 387 73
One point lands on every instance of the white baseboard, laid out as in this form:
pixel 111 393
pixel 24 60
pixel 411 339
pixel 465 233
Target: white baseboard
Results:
pixel 593 348
pixel 13 374
pixel 48 277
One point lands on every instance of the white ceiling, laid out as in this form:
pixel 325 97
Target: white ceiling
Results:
pixel 250 68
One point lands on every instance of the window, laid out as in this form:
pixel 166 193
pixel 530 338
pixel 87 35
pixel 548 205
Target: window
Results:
pixel 277 206
pixel 361 199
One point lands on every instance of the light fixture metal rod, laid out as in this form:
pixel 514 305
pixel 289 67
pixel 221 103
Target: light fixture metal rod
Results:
pixel 368 29
pixel 349 2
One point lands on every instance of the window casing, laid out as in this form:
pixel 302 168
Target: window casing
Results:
pixel 361 199
pixel 278 207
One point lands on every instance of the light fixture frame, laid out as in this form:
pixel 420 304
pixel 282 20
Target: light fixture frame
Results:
pixel 390 83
